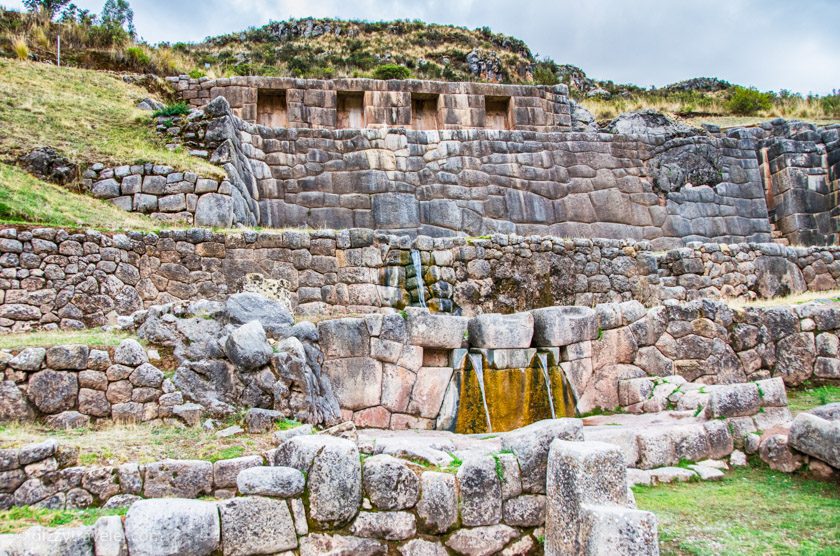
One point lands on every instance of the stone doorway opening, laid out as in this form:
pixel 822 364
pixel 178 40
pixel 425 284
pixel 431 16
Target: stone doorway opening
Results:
pixel 350 110
pixel 424 111
pixel 497 112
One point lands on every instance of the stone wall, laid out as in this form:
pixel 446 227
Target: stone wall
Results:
pixel 475 182
pixel 170 196
pixel 314 103
pixel 54 278
pixel 800 164
pixel 70 386
pixel 317 496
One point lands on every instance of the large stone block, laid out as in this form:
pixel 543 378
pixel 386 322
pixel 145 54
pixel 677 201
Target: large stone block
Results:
pixel 561 326
pixel 481 492
pixel 174 526
pixel 390 483
pixel 617 531
pixel 816 437
pixel 431 330
pixel 278 482
pixel 531 446
pixel 256 525
pixel 53 391
pixel 496 331
pixel 438 505
pixel 356 381
pixel 178 478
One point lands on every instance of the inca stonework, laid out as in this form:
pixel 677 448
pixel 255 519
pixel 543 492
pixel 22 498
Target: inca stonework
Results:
pixel 424 295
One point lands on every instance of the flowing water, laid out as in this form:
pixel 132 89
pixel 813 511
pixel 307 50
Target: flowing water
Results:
pixel 418 273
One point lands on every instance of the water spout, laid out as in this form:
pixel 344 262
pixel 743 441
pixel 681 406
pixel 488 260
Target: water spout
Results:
pixel 478 367
pixel 543 361
pixel 418 273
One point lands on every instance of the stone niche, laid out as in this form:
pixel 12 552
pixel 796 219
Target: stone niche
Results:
pixel 271 108
pixel 350 110
pixel 424 111
pixel 497 112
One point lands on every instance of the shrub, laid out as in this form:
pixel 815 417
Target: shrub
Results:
pixel 20 49
pixel 544 74
pixel 177 109
pixel 197 73
pixel 748 101
pixel 137 57
pixel 391 71
pixel 831 105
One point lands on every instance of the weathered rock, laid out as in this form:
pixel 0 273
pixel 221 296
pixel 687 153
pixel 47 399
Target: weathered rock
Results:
pixel 496 331
pixel 340 545
pixel 259 420
pixel 256 525
pixel 391 526
pixel 816 437
pixel 226 471
pixel 612 530
pixel 178 478
pixel 278 482
pixel 70 357
pixel 13 404
pixel 422 547
pixel 109 537
pixel 481 492
pixel 53 391
pixel 430 330
pixel 561 326
pixel 775 451
pixel 130 353
pixel 390 483
pixel 173 526
pixel 245 307
pixel 481 541
pixel 531 445
pixel 438 504
pixel 527 510
pixel 733 400
pixel 247 346
pixel 29 359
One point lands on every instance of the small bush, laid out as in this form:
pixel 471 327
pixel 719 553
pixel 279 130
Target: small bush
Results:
pixel 137 57
pixel 177 109
pixel 831 105
pixel 748 101
pixel 391 71
pixel 545 74
pixel 197 73
pixel 20 48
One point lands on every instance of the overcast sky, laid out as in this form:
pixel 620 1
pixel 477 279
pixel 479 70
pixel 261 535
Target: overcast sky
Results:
pixel 770 44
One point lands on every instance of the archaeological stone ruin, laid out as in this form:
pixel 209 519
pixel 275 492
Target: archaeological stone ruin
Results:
pixel 488 316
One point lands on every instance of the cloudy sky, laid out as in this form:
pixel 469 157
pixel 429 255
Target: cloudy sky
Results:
pixel 770 44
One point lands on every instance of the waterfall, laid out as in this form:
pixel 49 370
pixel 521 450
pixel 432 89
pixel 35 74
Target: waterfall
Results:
pixel 418 273
pixel 542 357
pixel 478 367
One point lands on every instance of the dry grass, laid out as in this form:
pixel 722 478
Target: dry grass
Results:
pixel 111 444
pixel 88 116
pixel 91 337
pixel 20 48
pixel 793 299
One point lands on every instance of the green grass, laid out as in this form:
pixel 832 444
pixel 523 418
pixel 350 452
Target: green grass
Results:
pixel 808 397
pixel 90 337
pixel 28 200
pixel 286 424
pixel 750 511
pixel 20 518
pixel 86 115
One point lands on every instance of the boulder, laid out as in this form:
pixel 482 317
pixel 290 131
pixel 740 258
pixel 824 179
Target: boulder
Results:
pixel 178 478
pixel 256 525
pixel 259 420
pixel 390 483
pixel 109 536
pixel 172 526
pixel 53 391
pixel 247 346
pixel 214 210
pixel 496 331
pixel 817 437
pixel 527 510
pixel 422 547
pixel 481 491
pixel 390 526
pixel 647 122
pixel 48 541
pixel 619 531
pixel 245 307
pixel 278 482
pixel 531 445
pixel 733 400
pixel 341 545
pixel 481 541
pixel 67 420
pixel 561 326
pixel 347 337
pixel 226 471
pixel 29 359
pixel 13 404
pixel 70 357
pixel 438 504
pixel 130 353
pixel 775 451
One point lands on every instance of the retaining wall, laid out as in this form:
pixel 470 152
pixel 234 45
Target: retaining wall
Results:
pixel 52 278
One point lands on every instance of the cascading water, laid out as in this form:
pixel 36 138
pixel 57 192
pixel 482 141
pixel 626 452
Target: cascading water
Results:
pixel 542 358
pixel 418 273
pixel 478 368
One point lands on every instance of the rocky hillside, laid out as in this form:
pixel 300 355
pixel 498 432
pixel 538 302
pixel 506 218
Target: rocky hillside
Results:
pixel 330 47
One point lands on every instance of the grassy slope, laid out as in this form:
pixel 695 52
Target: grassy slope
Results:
pixel 88 116
pixel 807 397
pixel 19 519
pixel 28 200
pixel 751 511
